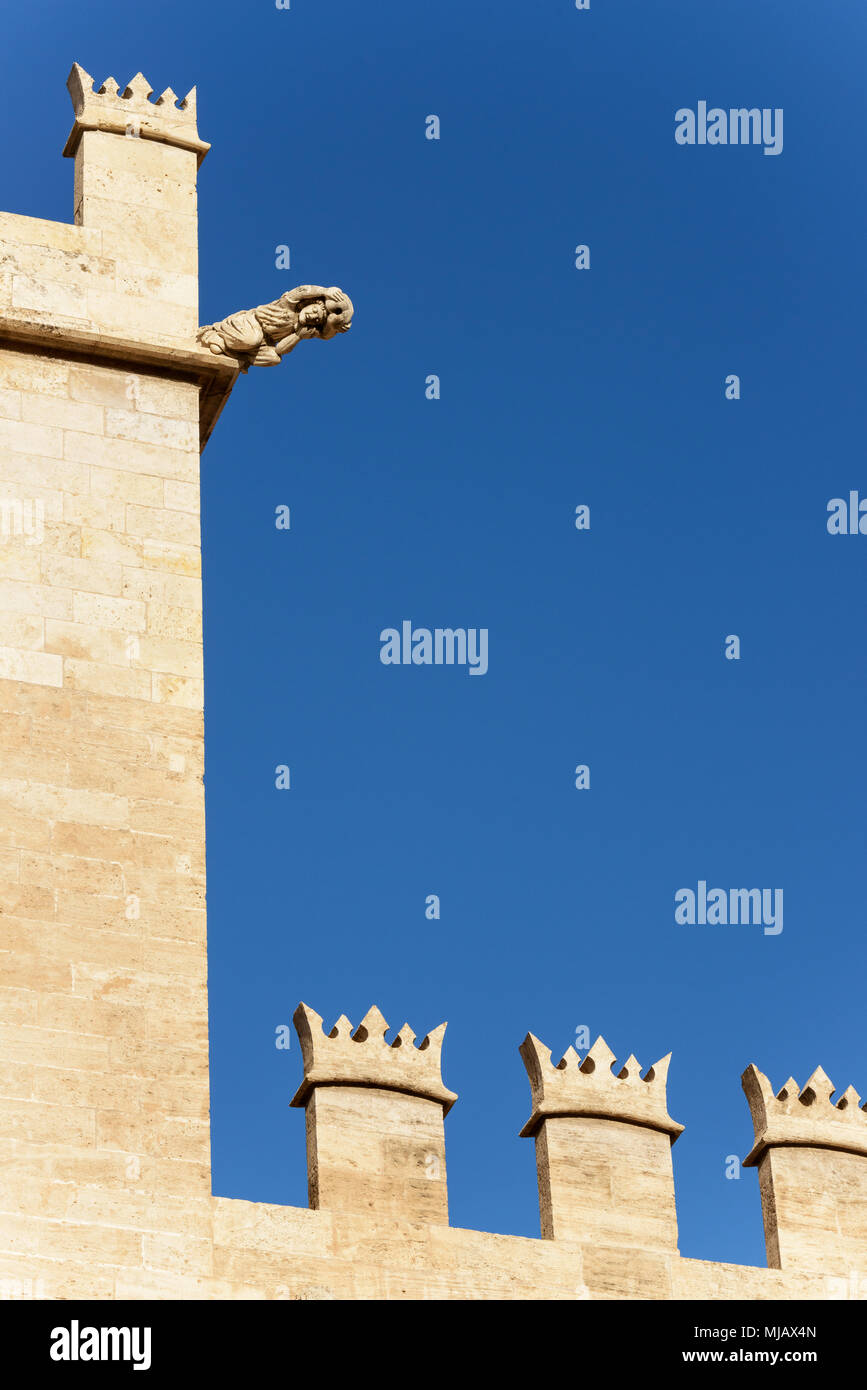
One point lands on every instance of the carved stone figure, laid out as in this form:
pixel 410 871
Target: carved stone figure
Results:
pixel 261 337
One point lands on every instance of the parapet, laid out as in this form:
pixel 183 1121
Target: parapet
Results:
pixel 136 170
pixel 803 1116
pixel 603 1136
pixel 811 1153
pixel 603 1147
pixel 131 112
pixel 374 1115
pixel 591 1088
pixel 364 1058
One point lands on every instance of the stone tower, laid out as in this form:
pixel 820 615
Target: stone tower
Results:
pixel 105 402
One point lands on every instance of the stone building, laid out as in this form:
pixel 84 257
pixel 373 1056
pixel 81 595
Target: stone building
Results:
pixel 108 391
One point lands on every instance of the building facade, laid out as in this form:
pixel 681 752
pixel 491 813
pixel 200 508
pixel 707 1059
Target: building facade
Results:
pixel 108 392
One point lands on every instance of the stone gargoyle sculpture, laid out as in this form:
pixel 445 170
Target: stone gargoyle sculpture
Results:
pixel 261 337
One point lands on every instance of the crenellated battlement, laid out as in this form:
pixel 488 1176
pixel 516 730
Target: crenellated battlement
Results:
pixel 131 112
pixel 603 1135
pixel 591 1087
pixel 811 1155
pixel 364 1058
pixel 804 1116
pixel 603 1146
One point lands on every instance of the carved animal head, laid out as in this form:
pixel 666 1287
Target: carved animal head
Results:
pixel 339 311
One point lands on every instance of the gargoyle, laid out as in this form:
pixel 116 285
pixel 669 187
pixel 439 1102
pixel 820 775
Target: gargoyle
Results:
pixel 261 337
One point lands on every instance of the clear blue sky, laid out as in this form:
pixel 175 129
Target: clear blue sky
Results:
pixel 559 387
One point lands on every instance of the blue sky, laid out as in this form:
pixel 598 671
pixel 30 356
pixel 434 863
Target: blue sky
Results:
pixel 558 387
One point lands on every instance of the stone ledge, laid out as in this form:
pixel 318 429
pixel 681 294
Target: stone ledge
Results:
pixel 214 373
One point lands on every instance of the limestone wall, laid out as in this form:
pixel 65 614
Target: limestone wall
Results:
pixel 103 1001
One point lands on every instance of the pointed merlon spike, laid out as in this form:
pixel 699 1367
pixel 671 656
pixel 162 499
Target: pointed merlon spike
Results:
pixel 849 1102
pixel 756 1083
pixel 305 1017
pixel 434 1038
pixel 168 98
pixel 79 84
pixel 760 1097
pixel 659 1071
pixel 373 1025
pixel 534 1047
pixel 109 88
pixel 139 89
pixel 631 1069
pixel 545 1053
pixel 189 101
pixel 308 1026
pixel 818 1087
pixel 790 1091
pixel 342 1028
pixel 569 1059
pixel 405 1038
pixel 599 1057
